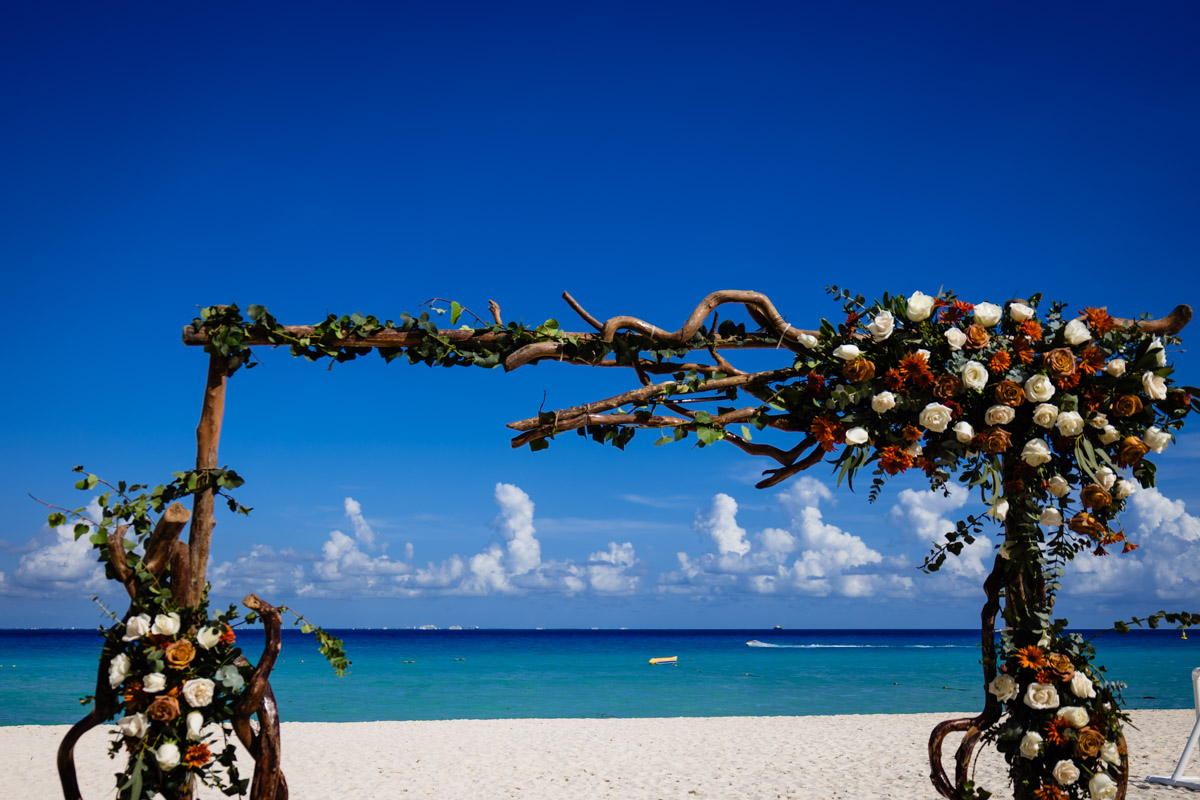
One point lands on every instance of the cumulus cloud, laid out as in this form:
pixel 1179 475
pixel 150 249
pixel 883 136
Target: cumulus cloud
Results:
pixel 347 566
pixel 55 564
pixel 926 517
pixel 809 557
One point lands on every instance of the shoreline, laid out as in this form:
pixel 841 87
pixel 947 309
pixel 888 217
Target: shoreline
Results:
pixel 848 757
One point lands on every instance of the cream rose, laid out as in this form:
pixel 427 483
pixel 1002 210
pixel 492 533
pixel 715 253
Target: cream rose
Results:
pixel 1154 386
pixel 1041 696
pixel 154 682
pixel 1038 389
pixel 1051 516
pixel 1116 367
pixel 118 670
pixel 208 637
pixel 1031 743
pixel 167 756
pixel 935 417
pixel 1076 332
pixel 1081 686
pixel 1102 787
pixel 1123 489
pixel 134 727
pixel 1058 486
pixel 1160 353
pixel 166 624
pixel 1035 453
pixel 987 314
pixel 1019 312
pixel 136 627
pixel 1065 772
pixel 1045 415
pixel 1109 435
pixel 198 692
pixel 806 340
pixel 999 415
pixel 1070 423
pixel 999 511
pixel 847 352
pixel 974 375
pixel 882 325
pixel 857 436
pixel 955 338
pixel 1004 688
pixel 1156 439
pixel 195 726
pixel 1106 478
pixel 964 432
pixel 884 401
pixel 1076 716
pixel 920 306
pixel 915 450
pixel 1098 421
pixel 1110 753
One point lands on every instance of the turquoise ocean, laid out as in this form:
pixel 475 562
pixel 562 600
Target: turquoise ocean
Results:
pixel 491 674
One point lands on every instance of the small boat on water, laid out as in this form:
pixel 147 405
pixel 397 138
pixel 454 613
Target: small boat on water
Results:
pixel 665 660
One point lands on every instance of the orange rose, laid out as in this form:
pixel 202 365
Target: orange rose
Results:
pixel 1094 496
pixel 1085 524
pixel 1131 451
pixel 977 337
pixel 1127 406
pixel 180 654
pixel 1009 393
pixel 858 370
pixel 163 709
pixel 1060 363
pixel 1089 743
pixel 1060 666
pixel 947 387
pixel 993 440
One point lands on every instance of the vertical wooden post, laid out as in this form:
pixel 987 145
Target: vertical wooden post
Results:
pixel 208 438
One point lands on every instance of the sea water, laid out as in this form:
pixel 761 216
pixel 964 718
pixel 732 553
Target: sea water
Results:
pixel 492 674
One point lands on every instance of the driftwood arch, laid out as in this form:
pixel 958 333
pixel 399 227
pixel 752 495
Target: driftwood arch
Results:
pixel 619 341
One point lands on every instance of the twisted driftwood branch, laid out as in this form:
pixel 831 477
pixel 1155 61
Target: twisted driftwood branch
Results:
pixel 269 782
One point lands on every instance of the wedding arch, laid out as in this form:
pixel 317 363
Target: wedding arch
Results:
pixel 1051 417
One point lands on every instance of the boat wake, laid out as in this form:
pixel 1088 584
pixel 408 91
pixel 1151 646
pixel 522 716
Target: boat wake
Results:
pixel 756 643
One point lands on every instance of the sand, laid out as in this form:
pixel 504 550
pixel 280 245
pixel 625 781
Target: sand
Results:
pixel 731 758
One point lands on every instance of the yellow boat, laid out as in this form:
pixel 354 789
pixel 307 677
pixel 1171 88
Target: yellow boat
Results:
pixel 665 660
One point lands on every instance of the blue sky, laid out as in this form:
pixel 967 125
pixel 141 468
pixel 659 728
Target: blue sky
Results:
pixel 318 157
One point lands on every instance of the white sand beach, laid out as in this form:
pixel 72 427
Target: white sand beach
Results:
pixel 731 758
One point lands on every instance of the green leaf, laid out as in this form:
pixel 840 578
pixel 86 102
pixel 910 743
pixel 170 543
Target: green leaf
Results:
pixel 746 434
pixel 455 312
pixel 56 519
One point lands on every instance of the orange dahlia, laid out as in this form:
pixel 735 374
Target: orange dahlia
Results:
pixel 829 432
pixel 197 755
pixel 1098 319
pixel 1031 657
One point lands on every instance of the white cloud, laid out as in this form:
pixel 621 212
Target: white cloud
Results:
pixel 927 517
pixel 720 523
pixel 516 525
pixel 56 564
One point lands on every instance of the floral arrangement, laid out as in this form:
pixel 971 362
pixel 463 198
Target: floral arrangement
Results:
pixel 179 679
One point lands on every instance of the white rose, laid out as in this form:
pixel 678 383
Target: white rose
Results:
pixel 847 352
pixel 1154 386
pixel 198 692
pixel 1116 367
pixel 935 417
pixel 1051 516
pixel 999 415
pixel 1059 486
pixel 1156 439
pixel 166 624
pixel 1044 640
pixel 1102 787
pixel 1065 772
pixel 1035 453
pixel 974 375
pixel 154 682
pixel 1004 687
pixel 1039 389
pixel 1081 686
pixel 920 306
pixel 964 432
pixel 856 436
pixel 923 354
pixel 1019 312
pixel 882 326
pixel 136 627
pixel 1077 716
pixel 999 511
pixel 956 338
pixel 1041 696
pixel 884 401
pixel 1076 332
pixel 1030 744
pixel 1160 354
pixel 118 670
pixel 806 340
pixel 208 637
pixel 167 756
pixel 134 727
pixel 195 724
pixel 1098 421
pixel 1106 478
pixel 1111 753
pixel 987 314
pixel 1109 435
pixel 1045 415
pixel 915 450
pixel 1070 423
pixel 1124 489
